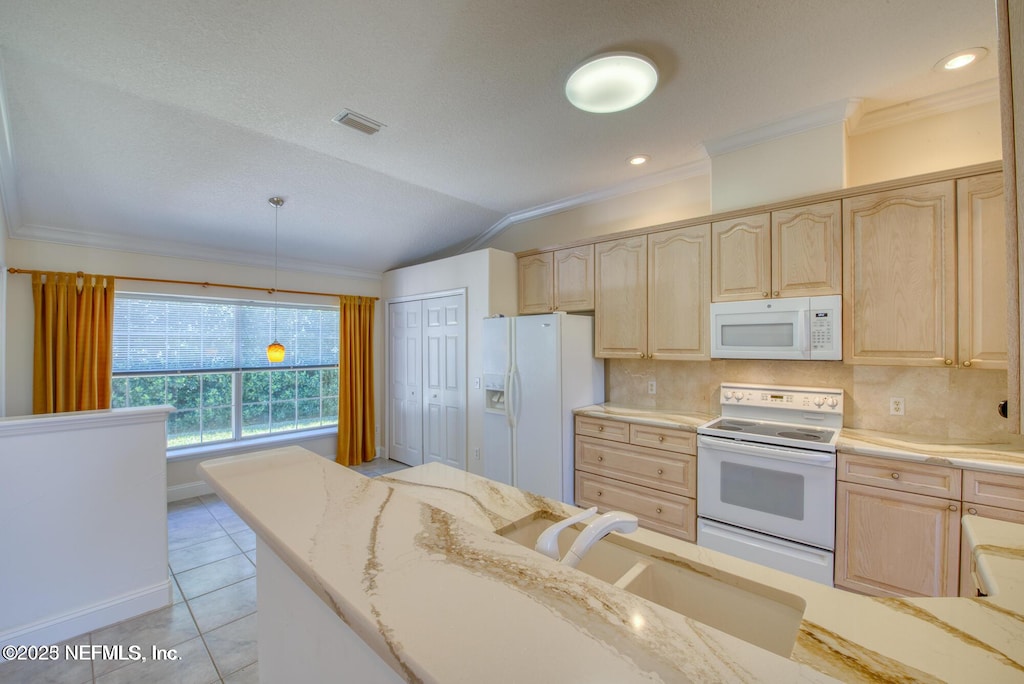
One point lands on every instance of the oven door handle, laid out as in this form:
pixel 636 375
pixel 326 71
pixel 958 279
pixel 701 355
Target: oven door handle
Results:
pixel 766 451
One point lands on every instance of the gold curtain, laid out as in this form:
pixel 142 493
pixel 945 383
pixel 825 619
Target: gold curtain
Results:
pixel 73 350
pixel 356 443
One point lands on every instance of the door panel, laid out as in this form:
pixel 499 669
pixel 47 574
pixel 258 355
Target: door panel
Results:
pixel 406 379
pixel 444 370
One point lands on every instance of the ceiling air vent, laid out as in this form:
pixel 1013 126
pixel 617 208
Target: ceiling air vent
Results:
pixel 363 124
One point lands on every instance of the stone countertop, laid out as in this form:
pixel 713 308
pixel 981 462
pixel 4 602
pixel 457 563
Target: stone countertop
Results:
pixel 397 556
pixel 1001 455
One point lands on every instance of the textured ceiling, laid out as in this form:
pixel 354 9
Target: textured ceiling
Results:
pixel 163 127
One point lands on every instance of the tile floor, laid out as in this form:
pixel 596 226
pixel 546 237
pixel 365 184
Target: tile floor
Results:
pixel 212 620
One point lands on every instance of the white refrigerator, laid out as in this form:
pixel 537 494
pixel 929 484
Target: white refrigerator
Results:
pixel 536 370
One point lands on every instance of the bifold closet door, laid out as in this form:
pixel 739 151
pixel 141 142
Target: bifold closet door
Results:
pixel 405 393
pixel 444 380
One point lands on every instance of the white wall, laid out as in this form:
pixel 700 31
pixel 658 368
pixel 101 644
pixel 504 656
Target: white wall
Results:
pixel 675 201
pixel 83 521
pixel 958 138
pixel 489 278
pixel 17 312
pixel 800 164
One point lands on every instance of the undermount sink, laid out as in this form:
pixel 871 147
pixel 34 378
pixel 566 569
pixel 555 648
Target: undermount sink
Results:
pixel 756 613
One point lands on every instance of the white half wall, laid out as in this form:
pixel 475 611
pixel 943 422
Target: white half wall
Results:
pixel 83 521
pixel 489 278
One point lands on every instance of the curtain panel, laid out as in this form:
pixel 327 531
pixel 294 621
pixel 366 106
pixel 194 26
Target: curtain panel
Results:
pixel 73 350
pixel 356 438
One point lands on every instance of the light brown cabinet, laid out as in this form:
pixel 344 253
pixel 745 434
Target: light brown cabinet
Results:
pixel 648 471
pixel 535 278
pixel 897 527
pixel 899 271
pixel 562 280
pixel 574 279
pixel 679 293
pixel 620 298
pixel 807 251
pixel 786 253
pixel 652 295
pixel 741 258
pixel 981 262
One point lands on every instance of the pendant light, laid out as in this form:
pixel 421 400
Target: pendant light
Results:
pixel 275 350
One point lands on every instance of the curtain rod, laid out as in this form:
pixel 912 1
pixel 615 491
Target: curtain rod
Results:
pixel 268 290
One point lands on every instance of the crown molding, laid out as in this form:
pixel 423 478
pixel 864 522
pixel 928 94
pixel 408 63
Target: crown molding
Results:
pixel 123 243
pixel 932 105
pixel 824 115
pixel 699 167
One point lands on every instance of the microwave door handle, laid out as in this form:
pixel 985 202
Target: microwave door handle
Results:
pixel 805 332
pixel 766 451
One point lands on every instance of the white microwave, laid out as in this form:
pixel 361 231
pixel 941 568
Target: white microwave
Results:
pixel 807 328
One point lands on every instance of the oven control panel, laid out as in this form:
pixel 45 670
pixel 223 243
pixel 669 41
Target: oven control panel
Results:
pixel 815 399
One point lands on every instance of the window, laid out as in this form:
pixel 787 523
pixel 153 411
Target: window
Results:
pixel 207 358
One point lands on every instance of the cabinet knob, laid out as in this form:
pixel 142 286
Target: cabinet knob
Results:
pixel 775 294
pixel 600 458
pixel 952 507
pixel 599 493
pixel 661 438
pixel 660 471
pixel 972 511
pixel 600 428
pixel 949 362
pixel 895 476
pixel 764 294
pixel 657 510
pixel 967 364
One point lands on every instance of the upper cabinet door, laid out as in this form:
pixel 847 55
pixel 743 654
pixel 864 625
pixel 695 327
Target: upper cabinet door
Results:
pixel 741 258
pixel 981 234
pixel 807 251
pixel 620 293
pixel 899 275
pixel 679 293
pixel 574 279
pixel 535 291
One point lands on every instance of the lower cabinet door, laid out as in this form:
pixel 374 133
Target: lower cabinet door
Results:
pixel 669 514
pixel 891 543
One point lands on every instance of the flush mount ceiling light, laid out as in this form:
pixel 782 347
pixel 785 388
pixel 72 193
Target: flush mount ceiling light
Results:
pixel 958 60
pixel 638 159
pixel 611 82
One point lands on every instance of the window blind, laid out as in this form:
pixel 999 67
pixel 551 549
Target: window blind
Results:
pixel 161 334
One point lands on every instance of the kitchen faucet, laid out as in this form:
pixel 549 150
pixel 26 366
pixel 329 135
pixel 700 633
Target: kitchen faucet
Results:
pixel 597 529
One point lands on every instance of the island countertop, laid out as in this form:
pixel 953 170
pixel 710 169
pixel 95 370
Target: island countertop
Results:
pixel 409 560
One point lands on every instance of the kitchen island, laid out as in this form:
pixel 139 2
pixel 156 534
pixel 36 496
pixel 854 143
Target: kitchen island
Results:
pixel 406 578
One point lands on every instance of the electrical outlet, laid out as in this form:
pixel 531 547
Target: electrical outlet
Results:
pixel 652 387
pixel 476 383
pixel 897 407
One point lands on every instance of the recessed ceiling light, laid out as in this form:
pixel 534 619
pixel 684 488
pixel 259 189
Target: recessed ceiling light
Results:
pixel 638 159
pixel 958 60
pixel 611 82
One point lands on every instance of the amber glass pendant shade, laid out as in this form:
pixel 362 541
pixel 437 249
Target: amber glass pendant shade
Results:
pixel 275 352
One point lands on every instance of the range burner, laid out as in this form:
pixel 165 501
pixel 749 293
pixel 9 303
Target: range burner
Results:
pixel 797 417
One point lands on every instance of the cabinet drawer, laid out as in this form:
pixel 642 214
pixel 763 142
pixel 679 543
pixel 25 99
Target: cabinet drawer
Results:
pixel 661 438
pixel 662 470
pixel 969 583
pixel 613 430
pixel 903 476
pixel 994 489
pixel 667 513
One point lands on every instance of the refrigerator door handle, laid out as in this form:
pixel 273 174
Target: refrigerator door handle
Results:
pixel 508 396
pixel 511 405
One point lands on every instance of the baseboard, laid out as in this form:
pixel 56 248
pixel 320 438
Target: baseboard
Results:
pixel 187 491
pixel 89 619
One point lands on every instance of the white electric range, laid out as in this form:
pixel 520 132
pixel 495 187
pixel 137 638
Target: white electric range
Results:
pixel 766 477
